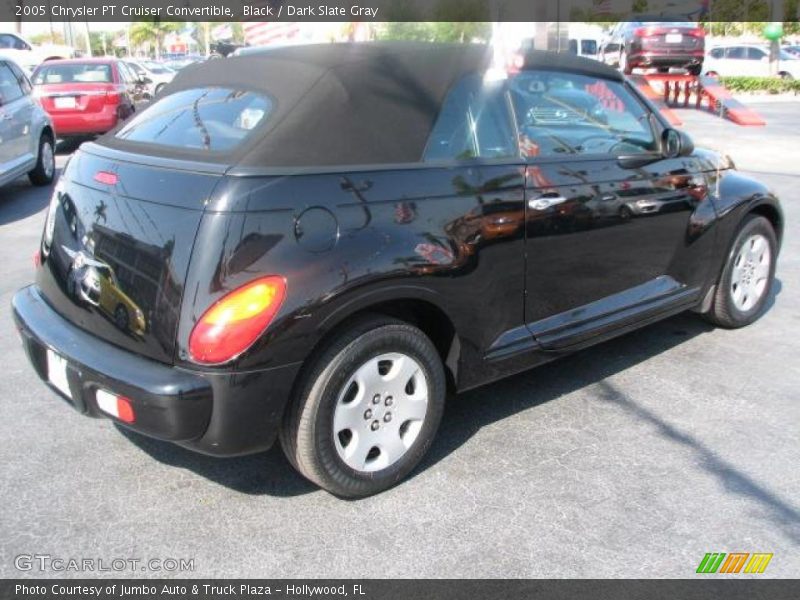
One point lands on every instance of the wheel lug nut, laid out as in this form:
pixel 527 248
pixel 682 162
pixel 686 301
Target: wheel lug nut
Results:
pixel 375 426
pixel 389 400
pixel 387 417
pixel 368 414
pixel 376 399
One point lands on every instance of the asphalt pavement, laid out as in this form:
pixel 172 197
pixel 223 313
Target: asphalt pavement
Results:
pixel 631 459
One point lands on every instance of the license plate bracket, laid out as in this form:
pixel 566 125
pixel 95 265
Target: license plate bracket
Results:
pixel 673 38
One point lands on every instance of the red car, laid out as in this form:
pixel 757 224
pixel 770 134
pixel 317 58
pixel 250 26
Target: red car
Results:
pixel 87 96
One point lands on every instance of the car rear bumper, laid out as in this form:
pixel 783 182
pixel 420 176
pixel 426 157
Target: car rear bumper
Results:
pixel 666 59
pixel 219 413
pixel 85 124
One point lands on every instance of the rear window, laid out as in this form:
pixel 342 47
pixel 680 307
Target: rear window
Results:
pixel 206 119
pixel 72 73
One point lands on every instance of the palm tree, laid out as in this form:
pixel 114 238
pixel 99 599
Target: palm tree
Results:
pixel 148 31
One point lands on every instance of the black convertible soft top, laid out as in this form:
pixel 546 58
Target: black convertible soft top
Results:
pixel 347 104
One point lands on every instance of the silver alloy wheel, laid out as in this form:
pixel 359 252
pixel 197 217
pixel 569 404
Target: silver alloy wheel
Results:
pixel 380 412
pixel 750 273
pixel 48 160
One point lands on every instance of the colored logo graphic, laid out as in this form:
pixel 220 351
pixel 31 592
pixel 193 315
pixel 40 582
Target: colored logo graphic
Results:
pixel 735 562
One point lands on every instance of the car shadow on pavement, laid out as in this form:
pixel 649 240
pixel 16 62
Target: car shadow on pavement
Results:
pixel 19 200
pixel 734 481
pixel 271 474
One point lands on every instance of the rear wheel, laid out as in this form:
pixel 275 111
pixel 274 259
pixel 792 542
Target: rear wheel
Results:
pixel 747 276
pixel 45 168
pixel 121 317
pixel 367 411
pixel 785 76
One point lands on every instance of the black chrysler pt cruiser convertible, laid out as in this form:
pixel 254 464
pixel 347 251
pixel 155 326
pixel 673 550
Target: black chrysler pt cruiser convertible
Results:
pixel 315 244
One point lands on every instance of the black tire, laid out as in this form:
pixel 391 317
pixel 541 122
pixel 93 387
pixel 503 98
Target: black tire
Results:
pixel 785 76
pixel 695 69
pixel 41 174
pixel 307 432
pixel 723 311
pixel 121 318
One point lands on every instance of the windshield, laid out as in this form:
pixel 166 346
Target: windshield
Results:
pixel 72 73
pixel 210 119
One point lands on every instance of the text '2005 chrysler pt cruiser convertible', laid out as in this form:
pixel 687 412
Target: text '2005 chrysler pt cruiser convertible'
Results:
pixel 315 243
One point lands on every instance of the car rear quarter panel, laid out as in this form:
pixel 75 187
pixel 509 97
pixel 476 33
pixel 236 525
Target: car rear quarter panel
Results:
pixel 346 242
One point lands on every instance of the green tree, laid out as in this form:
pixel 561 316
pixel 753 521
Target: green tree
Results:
pixel 153 32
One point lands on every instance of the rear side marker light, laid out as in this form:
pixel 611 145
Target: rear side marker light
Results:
pixel 236 321
pixel 106 177
pixel 116 406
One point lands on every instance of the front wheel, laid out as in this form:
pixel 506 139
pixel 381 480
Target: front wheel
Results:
pixel 45 168
pixel 747 276
pixel 367 411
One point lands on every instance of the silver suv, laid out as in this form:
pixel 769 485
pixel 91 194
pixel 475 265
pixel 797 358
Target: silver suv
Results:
pixel 27 139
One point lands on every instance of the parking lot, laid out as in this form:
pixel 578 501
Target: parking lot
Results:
pixel 631 459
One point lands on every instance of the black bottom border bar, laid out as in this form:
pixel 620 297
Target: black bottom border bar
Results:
pixel 401 589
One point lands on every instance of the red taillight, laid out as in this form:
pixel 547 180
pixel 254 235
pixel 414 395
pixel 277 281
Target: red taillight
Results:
pixel 106 177
pixel 231 325
pixel 697 32
pixel 112 97
pixel 116 406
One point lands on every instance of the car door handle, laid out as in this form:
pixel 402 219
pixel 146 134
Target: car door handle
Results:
pixel 7 117
pixel 545 202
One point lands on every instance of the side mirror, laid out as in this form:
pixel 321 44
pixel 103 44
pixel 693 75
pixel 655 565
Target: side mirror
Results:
pixel 676 143
pixel 144 80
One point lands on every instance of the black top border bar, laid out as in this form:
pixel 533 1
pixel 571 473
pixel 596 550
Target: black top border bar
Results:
pixel 395 10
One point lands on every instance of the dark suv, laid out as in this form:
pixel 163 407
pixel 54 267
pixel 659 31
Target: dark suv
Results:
pixel 655 44
pixel 316 243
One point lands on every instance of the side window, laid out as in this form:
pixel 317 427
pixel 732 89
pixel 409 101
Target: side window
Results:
pixel 125 74
pixel 756 53
pixel 10 89
pixel 736 52
pixel 7 42
pixel 473 122
pixel 20 44
pixel 717 52
pixel 566 113
pixel 589 47
pixel 573 46
pixel 135 69
pixel 23 80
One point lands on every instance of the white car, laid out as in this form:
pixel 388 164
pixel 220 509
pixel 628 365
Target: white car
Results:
pixel 28 56
pixel 27 141
pixel 158 74
pixel 748 60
